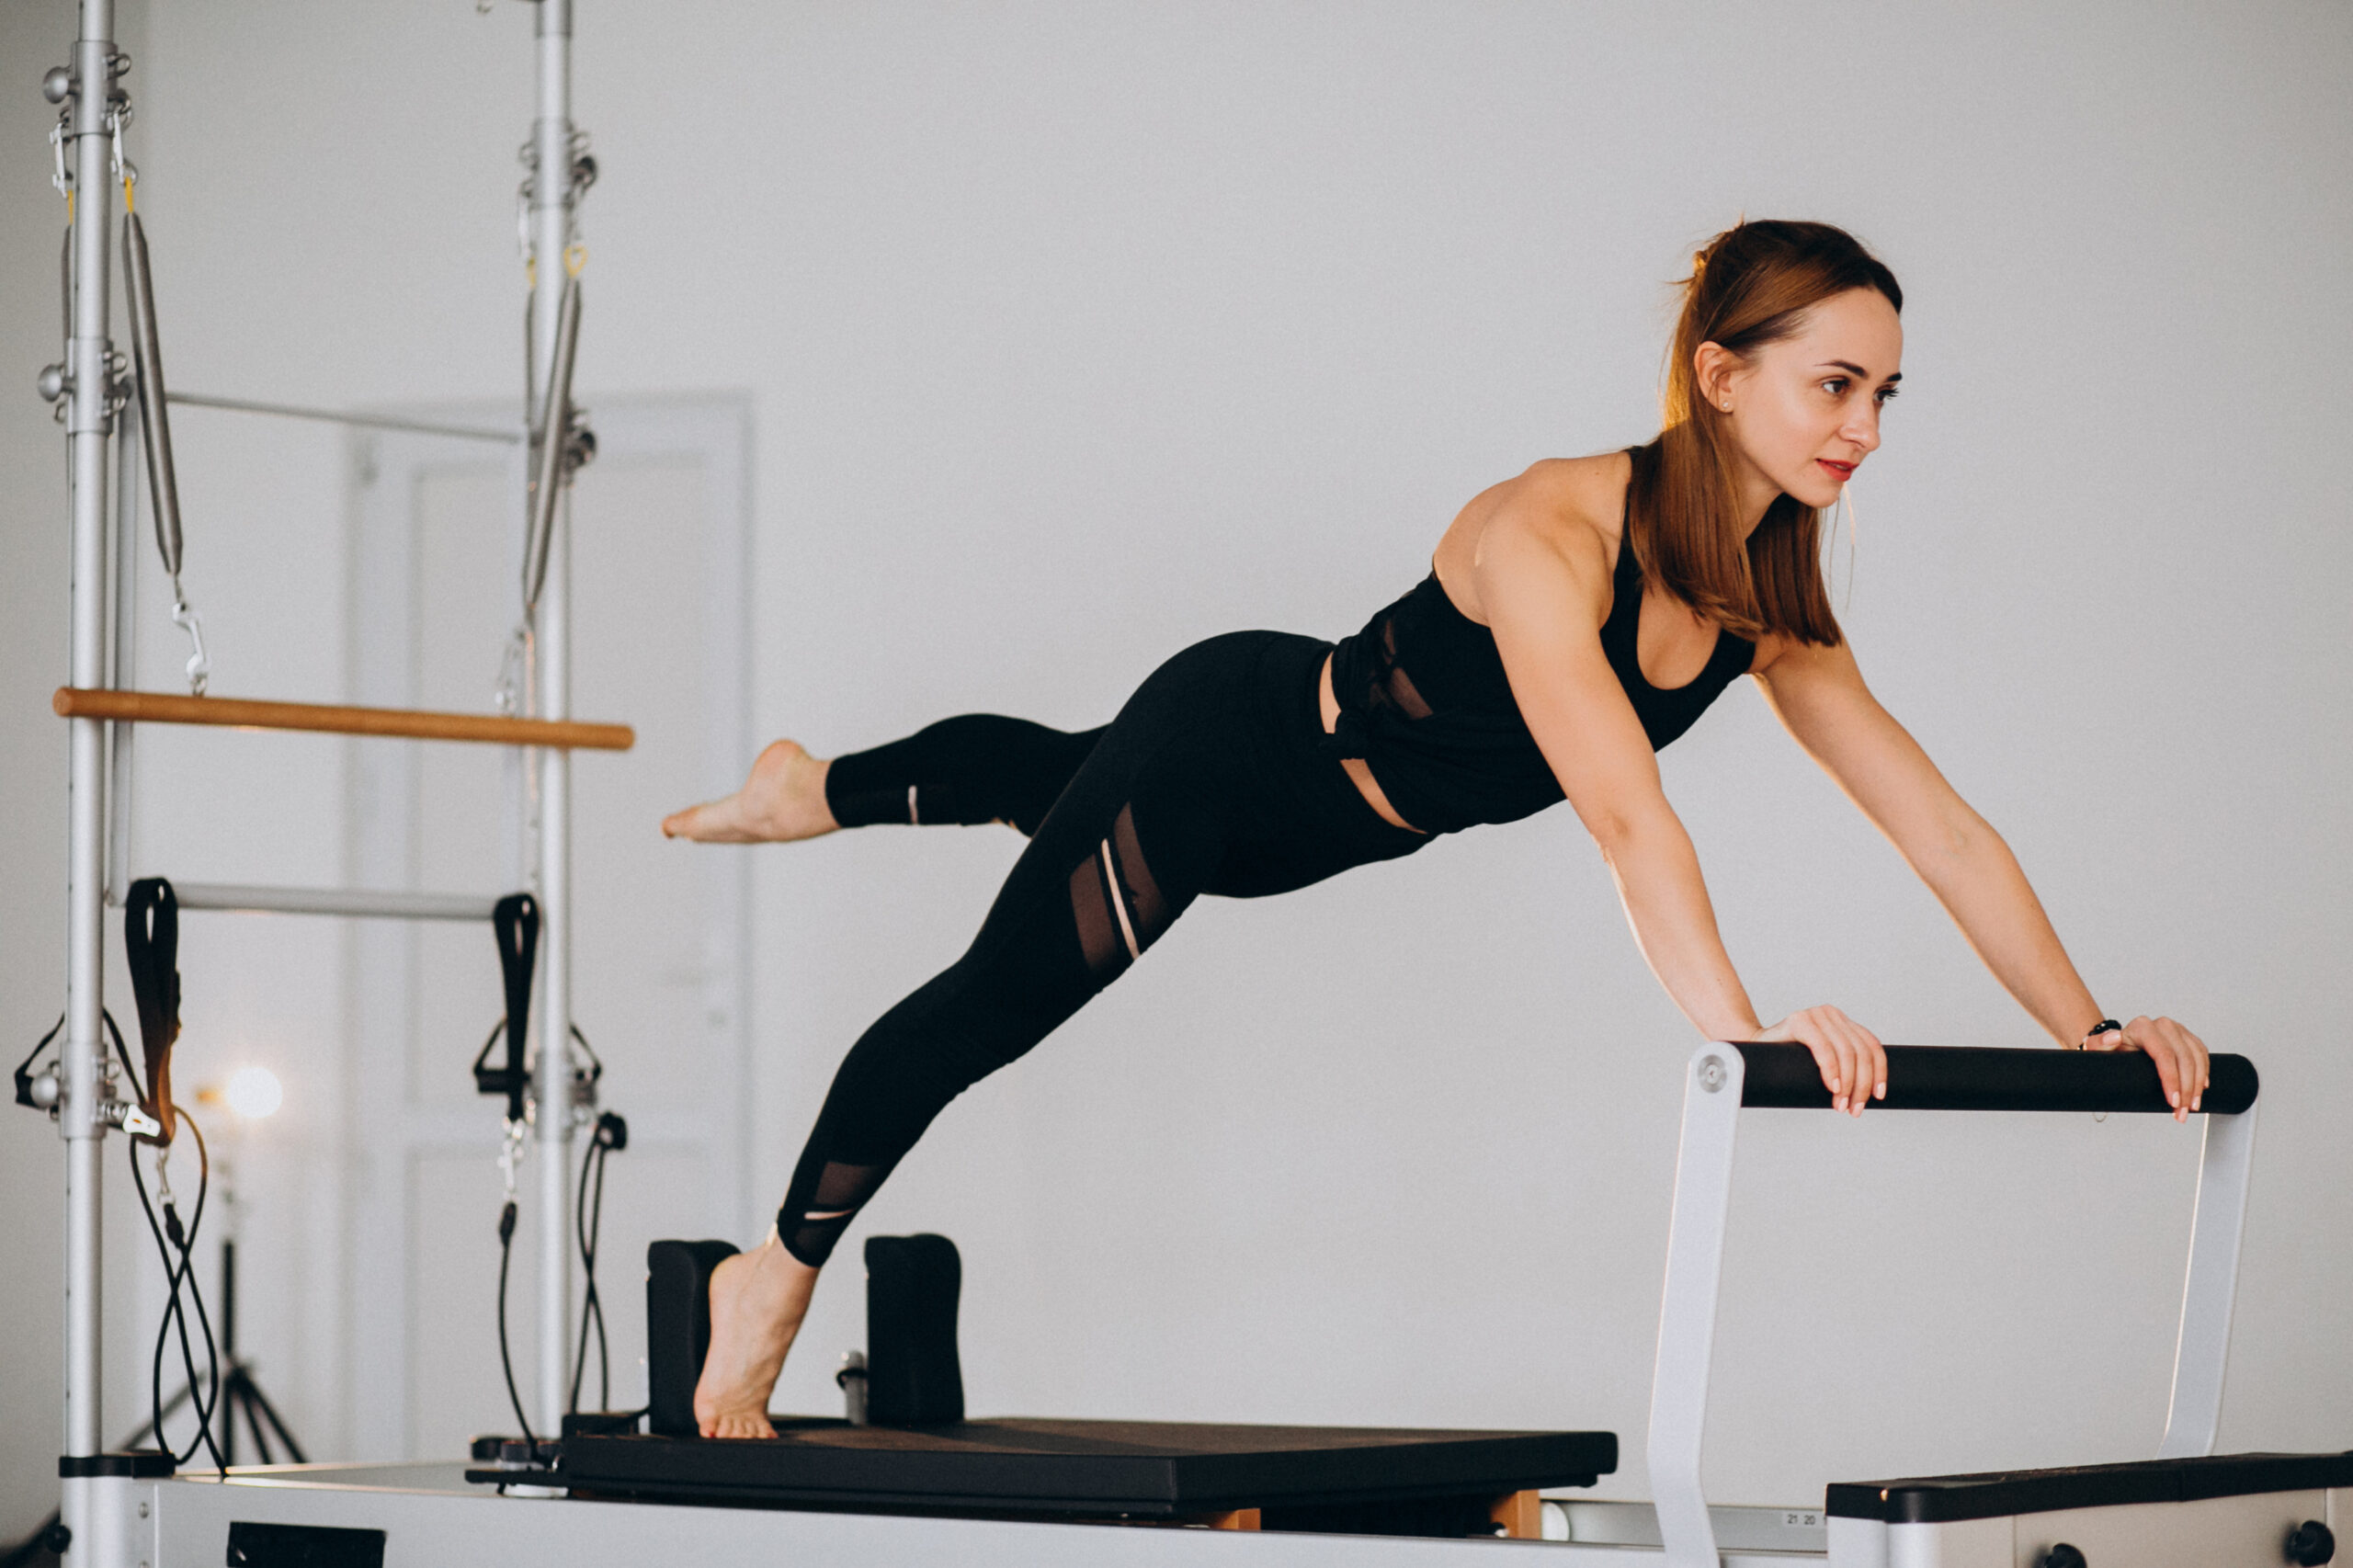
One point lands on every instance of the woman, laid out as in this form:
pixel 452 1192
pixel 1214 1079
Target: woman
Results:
pixel 1576 618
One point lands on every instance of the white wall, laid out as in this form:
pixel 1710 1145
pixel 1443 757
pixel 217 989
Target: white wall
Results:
pixel 1077 332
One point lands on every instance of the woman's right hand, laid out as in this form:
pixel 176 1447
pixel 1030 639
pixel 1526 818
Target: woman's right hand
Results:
pixel 1853 1062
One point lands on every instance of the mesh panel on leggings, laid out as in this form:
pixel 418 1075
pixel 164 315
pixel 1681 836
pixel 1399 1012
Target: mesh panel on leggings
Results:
pixel 1116 902
pixel 842 1191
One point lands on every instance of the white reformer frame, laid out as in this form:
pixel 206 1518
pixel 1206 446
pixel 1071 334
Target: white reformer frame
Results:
pixel 1713 1087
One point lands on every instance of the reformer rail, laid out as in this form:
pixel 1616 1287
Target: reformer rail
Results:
pixel 166 708
pixel 1724 1079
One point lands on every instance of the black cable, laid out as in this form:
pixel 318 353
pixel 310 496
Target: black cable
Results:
pixel 171 1236
pixel 588 1220
pixel 505 1359
pixel 24 1077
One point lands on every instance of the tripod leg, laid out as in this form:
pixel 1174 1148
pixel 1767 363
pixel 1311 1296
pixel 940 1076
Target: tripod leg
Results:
pixel 248 1398
pixel 261 1401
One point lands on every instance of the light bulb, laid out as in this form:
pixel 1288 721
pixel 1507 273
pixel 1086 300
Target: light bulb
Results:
pixel 253 1092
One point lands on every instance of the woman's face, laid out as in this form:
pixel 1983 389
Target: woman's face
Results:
pixel 1805 410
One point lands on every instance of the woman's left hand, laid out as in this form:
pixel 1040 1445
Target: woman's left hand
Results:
pixel 2180 1056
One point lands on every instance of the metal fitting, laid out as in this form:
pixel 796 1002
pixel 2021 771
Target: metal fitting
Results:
pixel 53 382
pixel 58 85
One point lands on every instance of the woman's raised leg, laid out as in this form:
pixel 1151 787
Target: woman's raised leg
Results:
pixel 974 769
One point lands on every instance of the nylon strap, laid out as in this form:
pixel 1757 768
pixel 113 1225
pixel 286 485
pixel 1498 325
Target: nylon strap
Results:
pixel 150 944
pixel 515 921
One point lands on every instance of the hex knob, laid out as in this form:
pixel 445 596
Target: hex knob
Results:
pixel 2311 1544
pixel 2062 1556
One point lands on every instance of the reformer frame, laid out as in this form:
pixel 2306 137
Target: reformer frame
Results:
pixel 1724 1079
pixel 92 390
pixel 427 1512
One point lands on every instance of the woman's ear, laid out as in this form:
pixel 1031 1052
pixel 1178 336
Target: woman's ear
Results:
pixel 1713 367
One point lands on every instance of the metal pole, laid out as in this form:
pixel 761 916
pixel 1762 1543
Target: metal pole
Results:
pixel 2203 1348
pixel 89 418
pixel 1687 1319
pixel 125 669
pixel 550 214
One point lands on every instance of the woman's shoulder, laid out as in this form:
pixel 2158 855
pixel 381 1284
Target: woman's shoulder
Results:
pixel 1561 513
pixel 1571 506
pixel 1581 494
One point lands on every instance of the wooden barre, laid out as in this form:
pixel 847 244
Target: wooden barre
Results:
pixel 160 708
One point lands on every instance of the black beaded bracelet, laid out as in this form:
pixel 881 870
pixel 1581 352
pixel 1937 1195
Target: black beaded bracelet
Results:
pixel 2105 1026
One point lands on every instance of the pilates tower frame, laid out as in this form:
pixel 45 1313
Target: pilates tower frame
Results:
pixel 93 387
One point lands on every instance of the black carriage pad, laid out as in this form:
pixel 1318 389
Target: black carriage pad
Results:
pixel 1149 1469
pixel 1940 1499
pixel 677 1327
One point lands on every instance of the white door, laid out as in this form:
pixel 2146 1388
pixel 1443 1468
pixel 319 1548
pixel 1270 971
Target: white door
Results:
pixel 659 582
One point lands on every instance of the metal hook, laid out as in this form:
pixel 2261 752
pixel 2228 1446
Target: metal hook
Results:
pixel 61 179
pixel 200 664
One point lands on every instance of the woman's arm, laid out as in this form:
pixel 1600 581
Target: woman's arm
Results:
pixel 1820 697
pixel 1544 587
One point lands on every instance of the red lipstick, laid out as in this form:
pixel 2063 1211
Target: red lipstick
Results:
pixel 1839 472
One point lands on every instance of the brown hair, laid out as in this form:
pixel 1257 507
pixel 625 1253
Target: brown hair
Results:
pixel 1750 286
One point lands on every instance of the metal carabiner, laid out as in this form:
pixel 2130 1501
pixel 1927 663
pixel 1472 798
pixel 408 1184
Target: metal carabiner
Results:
pixel 124 172
pixel 199 667
pixel 510 1155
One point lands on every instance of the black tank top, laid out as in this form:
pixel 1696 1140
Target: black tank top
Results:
pixel 1425 701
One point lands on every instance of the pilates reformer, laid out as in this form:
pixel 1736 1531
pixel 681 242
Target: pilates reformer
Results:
pixel 934 1486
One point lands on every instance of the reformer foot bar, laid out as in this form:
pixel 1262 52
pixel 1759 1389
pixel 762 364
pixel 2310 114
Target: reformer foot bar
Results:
pixel 1723 1080
pixel 160 708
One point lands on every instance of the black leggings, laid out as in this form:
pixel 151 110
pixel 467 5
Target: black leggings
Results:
pixel 1213 779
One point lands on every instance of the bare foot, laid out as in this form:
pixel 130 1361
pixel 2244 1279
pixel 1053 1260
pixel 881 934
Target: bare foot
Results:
pixel 758 1300
pixel 783 799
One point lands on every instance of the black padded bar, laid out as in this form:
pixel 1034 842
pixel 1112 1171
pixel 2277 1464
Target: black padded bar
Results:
pixel 1943 1498
pixel 1974 1077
